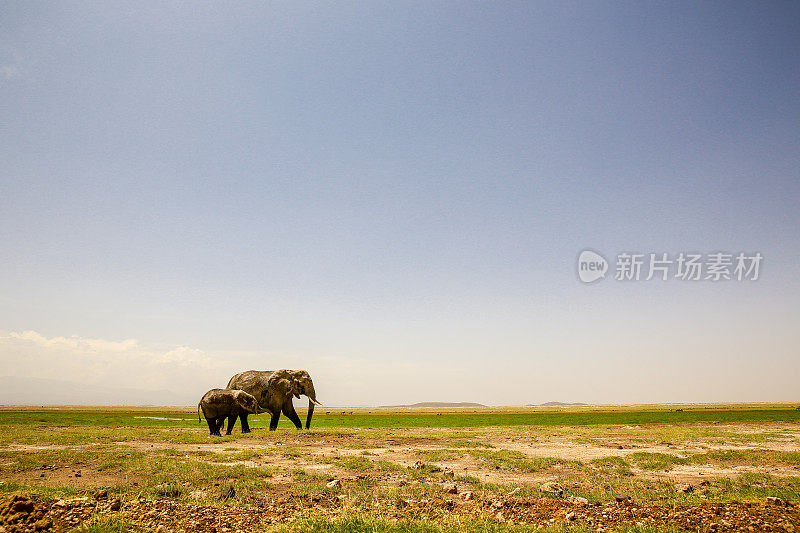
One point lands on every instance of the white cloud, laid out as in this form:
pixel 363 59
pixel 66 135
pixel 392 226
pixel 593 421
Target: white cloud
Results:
pixel 73 342
pixel 127 364
pixel 186 357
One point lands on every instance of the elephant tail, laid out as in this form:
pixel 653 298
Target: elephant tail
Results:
pixel 198 414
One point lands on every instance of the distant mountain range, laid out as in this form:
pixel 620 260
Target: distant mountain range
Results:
pixel 438 404
pixel 554 404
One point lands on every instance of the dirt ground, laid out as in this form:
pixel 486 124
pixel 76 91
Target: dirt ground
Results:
pixel 462 483
pixel 405 451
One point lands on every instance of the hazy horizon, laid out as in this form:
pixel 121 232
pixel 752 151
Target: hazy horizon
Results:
pixel 394 198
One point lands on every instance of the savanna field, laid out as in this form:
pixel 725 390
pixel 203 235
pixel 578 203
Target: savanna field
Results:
pixel 651 468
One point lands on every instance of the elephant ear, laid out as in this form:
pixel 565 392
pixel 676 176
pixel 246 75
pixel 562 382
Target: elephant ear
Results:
pixel 299 378
pixel 240 398
pixel 293 386
pixel 248 402
pixel 282 385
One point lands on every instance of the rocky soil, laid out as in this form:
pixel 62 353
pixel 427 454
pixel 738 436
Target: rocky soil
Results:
pixel 21 514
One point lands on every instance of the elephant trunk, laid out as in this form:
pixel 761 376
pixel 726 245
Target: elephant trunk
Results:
pixel 310 414
pixel 312 401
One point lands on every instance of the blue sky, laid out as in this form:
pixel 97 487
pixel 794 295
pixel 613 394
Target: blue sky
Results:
pixel 393 196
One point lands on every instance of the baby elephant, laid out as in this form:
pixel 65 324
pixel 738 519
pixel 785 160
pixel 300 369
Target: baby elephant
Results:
pixel 219 404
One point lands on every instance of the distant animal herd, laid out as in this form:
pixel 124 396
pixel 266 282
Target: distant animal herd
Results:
pixel 254 392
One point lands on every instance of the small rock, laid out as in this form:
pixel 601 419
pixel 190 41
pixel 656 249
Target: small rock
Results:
pixel 622 498
pixel 333 483
pixel 551 487
pixel 570 516
pixel 577 500
pixel 516 490
pixel 450 488
pixel 116 504
pixel 468 495
pixel 419 465
pixel 772 500
pixel 448 473
pixel 685 488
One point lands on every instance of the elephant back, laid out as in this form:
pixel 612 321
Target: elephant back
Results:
pixel 253 382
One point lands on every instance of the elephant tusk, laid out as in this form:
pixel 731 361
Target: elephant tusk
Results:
pixel 315 402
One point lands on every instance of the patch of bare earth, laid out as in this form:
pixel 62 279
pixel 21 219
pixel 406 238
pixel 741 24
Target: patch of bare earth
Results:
pixel 73 477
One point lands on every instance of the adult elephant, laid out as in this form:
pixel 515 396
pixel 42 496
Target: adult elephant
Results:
pixel 274 390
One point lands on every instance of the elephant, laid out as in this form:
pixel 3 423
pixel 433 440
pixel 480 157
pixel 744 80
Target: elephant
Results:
pixel 274 391
pixel 219 404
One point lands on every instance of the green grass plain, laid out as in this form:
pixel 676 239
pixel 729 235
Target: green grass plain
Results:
pixel 411 418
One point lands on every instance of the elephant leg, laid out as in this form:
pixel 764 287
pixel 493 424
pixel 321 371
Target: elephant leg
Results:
pixel 231 422
pixel 212 425
pixel 220 423
pixel 291 414
pixel 273 422
pixel 245 425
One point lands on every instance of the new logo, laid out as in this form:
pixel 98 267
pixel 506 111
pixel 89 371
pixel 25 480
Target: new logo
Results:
pixel 591 266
